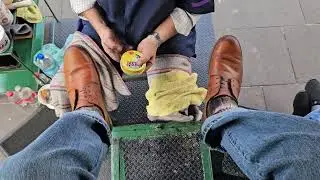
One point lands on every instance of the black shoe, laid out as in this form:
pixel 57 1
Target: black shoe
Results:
pixel 313 90
pixel 301 104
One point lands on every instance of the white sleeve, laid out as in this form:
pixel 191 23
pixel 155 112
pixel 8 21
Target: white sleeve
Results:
pixel 184 21
pixel 79 6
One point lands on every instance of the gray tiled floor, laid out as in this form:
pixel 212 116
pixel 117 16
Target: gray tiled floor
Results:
pixel 67 12
pixel 252 97
pixel 55 6
pixel 13 117
pixel 2 155
pixel 257 13
pixel 266 58
pixel 62 9
pixel 304 47
pixel 311 10
pixel 279 98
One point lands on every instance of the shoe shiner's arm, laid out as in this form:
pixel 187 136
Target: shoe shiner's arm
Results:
pixel 110 42
pixel 184 21
pixel 149 46
pixel 179 21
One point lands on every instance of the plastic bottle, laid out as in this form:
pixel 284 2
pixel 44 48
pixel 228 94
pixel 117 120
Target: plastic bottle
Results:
pixel 54 52
pixel 43 79
pixel 46 64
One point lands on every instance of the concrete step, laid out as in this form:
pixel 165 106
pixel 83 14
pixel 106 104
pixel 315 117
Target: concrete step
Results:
pixel 38 122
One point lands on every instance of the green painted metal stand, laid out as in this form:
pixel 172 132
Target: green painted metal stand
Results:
pixel 23 51
pixel 153 131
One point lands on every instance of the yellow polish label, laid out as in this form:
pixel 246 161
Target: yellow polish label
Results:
pixel 129 64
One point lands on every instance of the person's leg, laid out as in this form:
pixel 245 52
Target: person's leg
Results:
pixel 72 148
pixel 264 145
pixel 86 28
pixel 267 145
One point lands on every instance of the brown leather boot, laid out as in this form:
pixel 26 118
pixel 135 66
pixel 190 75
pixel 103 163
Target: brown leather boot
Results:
pixel 225 70
pixel 82 81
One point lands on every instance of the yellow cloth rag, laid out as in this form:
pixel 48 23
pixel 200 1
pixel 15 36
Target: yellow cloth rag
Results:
pixel 173 92
pixel 31 14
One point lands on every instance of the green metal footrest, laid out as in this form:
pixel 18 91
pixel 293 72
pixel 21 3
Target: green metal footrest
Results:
pixel 21 54
pixel 160 151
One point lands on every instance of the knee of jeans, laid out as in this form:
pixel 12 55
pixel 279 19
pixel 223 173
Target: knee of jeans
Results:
pixel 79 120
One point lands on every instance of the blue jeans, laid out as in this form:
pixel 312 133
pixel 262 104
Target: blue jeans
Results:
pixel 268 145
pixel 263 144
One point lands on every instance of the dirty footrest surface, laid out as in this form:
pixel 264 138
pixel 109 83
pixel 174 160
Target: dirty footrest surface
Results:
pixel 160 151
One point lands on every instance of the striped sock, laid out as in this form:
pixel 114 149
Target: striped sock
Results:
pixel 220 104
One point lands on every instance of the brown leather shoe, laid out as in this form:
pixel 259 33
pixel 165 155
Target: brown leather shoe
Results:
pixel 82 81
pixel 225 69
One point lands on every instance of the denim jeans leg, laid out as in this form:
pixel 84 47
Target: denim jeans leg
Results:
pixel 267 145
pixel 72 148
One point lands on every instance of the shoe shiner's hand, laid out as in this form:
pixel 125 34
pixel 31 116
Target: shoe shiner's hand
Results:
pixel 111 44
pixel 148 47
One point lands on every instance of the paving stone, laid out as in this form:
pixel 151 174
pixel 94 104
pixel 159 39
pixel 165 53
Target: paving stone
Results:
pixel 304 48
pixel 3 156
pixel 13 117
pixel 55 6
pixel 311 10
pixel 280 98
pixel 67 12
pixel 252 97
pixel 257 13
pixel 266 58
pixel 3 99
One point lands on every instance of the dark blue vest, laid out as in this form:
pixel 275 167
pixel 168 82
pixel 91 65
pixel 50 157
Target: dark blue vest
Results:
pixel 133 20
